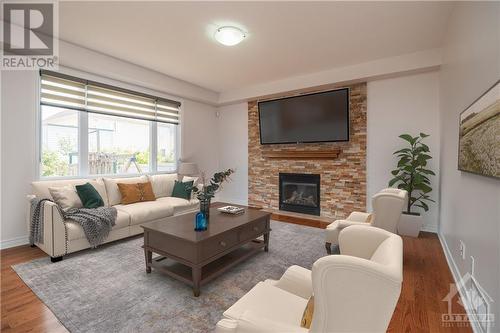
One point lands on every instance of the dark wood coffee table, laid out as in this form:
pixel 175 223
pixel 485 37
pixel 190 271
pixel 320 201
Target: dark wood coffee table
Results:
pixel 198 257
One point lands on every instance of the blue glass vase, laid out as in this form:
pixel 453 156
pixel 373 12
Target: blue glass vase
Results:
pixel 200 223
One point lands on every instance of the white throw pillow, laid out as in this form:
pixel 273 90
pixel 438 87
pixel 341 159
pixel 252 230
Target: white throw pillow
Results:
pixel 66 197
pixel 186 179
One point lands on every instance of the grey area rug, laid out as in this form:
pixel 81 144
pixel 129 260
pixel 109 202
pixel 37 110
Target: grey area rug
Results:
pixel 108 290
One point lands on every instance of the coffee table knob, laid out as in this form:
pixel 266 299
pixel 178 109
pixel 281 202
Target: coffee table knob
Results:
pixel 256 228
pixel 222 243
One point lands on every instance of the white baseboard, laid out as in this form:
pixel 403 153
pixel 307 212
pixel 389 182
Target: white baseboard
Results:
pixel 17 241
pixel 455 272
pixel 430 228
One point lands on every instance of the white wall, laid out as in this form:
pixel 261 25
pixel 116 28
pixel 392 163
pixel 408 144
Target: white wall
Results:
pixel 233 151
pixel 199 136
pixel 408 104
pixel 470 204
pixel 19 107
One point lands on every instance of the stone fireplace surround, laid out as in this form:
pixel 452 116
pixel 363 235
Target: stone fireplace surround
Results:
pixel 343 179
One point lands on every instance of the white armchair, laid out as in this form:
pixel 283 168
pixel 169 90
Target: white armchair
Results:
pixel 387 207
pixel 356 291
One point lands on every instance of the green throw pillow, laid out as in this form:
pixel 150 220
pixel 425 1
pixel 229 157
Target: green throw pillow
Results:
pixel 182 190
pixel 89 196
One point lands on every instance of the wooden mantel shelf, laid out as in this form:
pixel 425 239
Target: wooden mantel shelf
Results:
pixel 297 154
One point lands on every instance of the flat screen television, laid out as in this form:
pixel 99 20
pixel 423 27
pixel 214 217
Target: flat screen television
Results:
pixel 316 117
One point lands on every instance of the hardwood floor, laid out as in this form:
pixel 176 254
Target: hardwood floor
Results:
pixel 426 283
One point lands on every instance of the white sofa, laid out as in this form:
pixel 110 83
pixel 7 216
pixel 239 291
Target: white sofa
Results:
pixel 356 291
pixel 387 205
pixel 128 219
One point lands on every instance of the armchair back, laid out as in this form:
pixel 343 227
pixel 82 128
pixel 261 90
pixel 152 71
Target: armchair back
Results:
pixel 388 205
pixel 357 291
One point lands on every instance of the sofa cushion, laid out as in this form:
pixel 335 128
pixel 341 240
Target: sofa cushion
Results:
pixel 75 231
pixel 163 184
pixel 179 205
pixel 142 212
pixel 114 196
pixel 41 188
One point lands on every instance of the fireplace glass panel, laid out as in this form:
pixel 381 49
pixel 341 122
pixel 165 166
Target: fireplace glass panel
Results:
pixel 300 194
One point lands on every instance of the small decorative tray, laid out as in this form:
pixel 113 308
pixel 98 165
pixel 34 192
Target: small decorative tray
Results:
pixel 231 210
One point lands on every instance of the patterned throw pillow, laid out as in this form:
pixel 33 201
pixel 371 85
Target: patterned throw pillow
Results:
pixel 307 317
pixel 139 192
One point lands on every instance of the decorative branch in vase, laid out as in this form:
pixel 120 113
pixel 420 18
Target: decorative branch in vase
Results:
pixel 208 190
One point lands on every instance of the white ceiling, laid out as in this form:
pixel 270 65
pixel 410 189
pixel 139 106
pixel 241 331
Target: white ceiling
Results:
pixel 284 38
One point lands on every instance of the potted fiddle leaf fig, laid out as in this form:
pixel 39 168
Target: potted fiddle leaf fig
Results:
pixel 412 174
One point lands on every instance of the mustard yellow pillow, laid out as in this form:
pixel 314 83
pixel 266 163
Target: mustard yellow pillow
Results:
pixel 139 192
pixel 307 316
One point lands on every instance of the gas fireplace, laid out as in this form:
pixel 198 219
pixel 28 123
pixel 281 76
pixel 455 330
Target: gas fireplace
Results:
pixel 299 193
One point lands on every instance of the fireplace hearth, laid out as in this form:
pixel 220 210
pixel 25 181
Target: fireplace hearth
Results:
pixel 299 193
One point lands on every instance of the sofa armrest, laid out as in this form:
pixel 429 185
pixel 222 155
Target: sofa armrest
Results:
pixel 359 217
pixel 54 231
pixel 251 323
pixel 296 280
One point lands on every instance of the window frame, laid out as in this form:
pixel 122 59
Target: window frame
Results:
pixel 83 144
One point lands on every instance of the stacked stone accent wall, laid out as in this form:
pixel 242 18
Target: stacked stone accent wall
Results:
pixel 343 179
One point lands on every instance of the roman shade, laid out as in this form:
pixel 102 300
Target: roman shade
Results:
pixel 73 93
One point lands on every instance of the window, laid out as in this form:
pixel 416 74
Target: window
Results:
pixel 92 129
pixel 166 154
pixel 118 145
pixel 59 151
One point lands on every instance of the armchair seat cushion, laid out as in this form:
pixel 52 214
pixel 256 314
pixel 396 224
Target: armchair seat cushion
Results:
pixel 265 299
pixel 75 231
pixel 146 211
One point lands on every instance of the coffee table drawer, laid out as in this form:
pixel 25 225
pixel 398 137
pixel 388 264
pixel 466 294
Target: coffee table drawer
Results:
pixel 253 230
pixel 218 244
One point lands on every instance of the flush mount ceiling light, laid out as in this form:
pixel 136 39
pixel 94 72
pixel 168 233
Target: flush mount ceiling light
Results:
pixel 229 36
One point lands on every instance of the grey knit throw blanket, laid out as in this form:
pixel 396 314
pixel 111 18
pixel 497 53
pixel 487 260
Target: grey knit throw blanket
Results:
pixel 96 222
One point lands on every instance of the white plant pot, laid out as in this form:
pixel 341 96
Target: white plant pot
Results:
pixel 410 225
